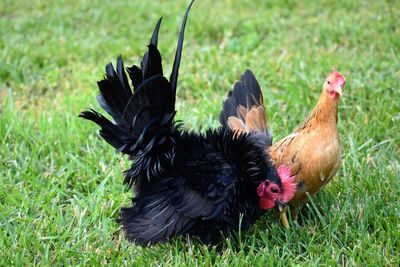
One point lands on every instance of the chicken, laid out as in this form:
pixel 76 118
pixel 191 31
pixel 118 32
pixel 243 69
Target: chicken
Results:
pixel 184 183
pixel 312 151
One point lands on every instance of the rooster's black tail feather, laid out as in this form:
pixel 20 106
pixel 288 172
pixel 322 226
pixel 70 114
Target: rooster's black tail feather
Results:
pixel 143 124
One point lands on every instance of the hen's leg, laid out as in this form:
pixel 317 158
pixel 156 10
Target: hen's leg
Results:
pixel 283 217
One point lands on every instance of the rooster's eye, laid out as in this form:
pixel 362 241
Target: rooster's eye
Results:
pixel 329 82
pixel 274 190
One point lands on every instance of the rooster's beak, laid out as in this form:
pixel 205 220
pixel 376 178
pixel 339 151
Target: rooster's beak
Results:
pixel 280 205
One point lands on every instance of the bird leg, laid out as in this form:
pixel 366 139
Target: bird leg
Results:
pixel 283 217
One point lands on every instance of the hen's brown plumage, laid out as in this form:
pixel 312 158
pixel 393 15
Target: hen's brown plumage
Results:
pixel 312 151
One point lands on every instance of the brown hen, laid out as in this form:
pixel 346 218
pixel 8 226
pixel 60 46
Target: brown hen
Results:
pixel 312 151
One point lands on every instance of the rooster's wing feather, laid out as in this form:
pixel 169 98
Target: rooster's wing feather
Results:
pixel 243 110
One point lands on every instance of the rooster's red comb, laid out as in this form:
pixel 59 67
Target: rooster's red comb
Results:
pixel 288 182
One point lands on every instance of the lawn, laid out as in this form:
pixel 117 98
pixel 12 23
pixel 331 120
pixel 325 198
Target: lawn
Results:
pixel 61 184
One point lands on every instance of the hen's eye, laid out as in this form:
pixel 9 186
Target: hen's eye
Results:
pixel 329 82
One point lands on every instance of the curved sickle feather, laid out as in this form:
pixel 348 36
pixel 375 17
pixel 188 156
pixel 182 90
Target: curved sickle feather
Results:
pixel 154 37
pixel 175 68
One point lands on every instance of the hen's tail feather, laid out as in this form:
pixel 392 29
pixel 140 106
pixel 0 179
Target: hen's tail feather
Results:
pixel 243 110
pixel 143 125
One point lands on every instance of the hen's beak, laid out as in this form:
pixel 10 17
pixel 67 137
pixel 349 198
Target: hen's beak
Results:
pixel 339 89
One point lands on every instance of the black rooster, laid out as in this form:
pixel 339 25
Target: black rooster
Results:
pixel 184 182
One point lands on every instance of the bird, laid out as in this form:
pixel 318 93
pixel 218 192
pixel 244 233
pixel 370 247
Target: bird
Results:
pixel 201 185
pixel 311 152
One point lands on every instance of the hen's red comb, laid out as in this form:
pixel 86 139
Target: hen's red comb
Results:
pixel 338 76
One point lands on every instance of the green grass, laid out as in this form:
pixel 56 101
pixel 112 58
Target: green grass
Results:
pixel 61 185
